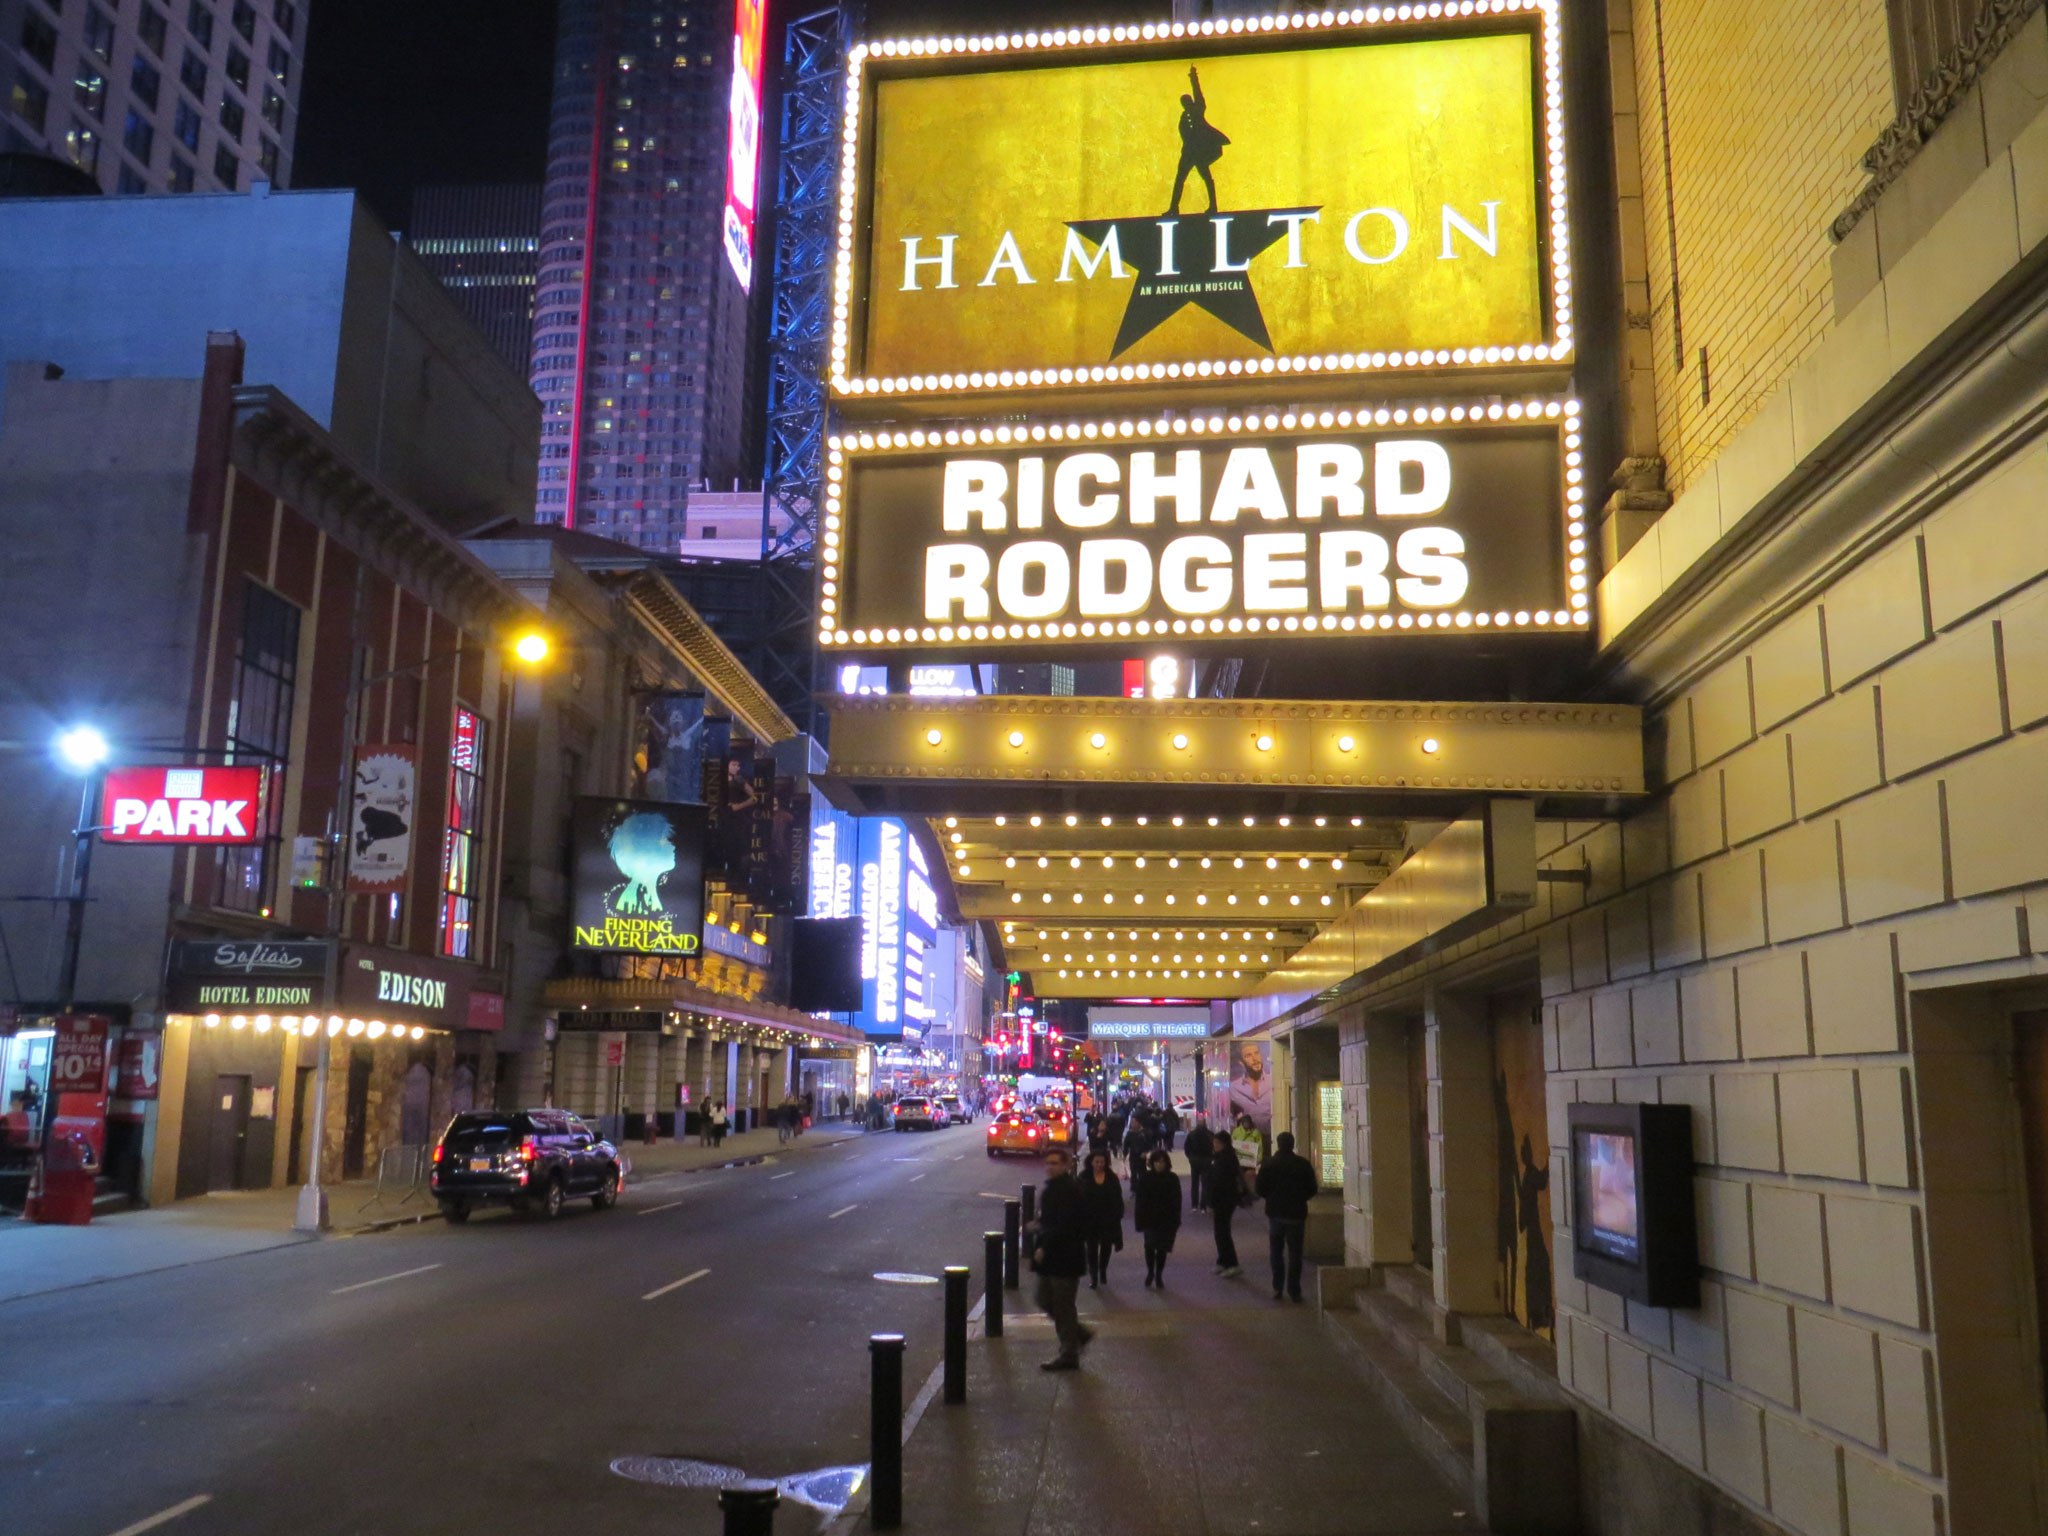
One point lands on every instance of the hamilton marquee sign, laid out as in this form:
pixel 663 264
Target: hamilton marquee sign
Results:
pixel 1391 519
pixel 1109 206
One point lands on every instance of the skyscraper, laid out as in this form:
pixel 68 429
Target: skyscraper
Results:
pixel 484 245
pixel 154 95
pixel 643 312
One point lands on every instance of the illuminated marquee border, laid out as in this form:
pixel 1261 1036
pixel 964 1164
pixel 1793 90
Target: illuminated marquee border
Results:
pixel 1563 412
pixel 1550 156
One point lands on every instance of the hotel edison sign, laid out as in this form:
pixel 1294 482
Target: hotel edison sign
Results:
pixel 1367 199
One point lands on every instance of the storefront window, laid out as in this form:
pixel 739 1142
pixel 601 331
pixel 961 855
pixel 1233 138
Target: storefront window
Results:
pixel 259 730
pixel 462 852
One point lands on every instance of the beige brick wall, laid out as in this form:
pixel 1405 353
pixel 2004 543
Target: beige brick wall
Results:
pixel 1771 104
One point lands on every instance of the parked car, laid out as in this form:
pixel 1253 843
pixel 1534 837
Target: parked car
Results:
pixel 534 1160
pixel 1013 1132
pixel 955 1110
pixel 920 1114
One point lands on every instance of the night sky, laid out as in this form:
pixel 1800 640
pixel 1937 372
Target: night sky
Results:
pixel 406 93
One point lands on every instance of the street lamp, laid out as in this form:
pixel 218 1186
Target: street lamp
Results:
pixel 83 749
pixel 530 647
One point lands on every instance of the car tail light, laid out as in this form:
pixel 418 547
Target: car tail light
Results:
pixel 439 1149
pixel 529 1150
pixel 1032 1133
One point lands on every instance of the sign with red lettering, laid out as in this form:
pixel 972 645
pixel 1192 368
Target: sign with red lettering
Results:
pixel 183 805
pixel 78 1056
pixel 138 1062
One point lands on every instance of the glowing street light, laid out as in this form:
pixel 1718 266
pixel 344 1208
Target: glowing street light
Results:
pixel 82 748
pixel 531 647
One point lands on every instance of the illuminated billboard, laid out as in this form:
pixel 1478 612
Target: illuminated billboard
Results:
pixel 1288 195
pixel 1390 519
pixel 871 868
pixel 638 877
pixel 743 136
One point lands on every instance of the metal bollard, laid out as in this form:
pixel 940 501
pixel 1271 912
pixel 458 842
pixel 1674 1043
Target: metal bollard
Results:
pixel 992 1285
pixel 885 1431
pixel 749 1508
pixel 1030 1195
pixel 1013 1231
pixel 956 1333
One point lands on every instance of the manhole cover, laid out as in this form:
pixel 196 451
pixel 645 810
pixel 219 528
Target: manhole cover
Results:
pixel 678 1472
pixel 899 1277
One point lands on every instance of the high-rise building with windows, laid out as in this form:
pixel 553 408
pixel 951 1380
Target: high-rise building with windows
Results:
pixel 154 95
pixel 640 353
pixel 484 244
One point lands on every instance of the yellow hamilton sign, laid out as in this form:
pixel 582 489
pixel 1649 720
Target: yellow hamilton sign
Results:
pixel 1368 199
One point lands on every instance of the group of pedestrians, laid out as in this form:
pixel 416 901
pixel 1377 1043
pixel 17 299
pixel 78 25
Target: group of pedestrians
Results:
pixel 1079 1226
pixel 793 1116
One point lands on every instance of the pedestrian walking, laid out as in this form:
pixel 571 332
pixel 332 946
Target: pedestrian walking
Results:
pixel 704 1124
pixel 1286 1182
pixel 1200 1148
pixel 1137 1142
pixel 1155 1200
pixel 1059 1256
pixel 1251 1147
pixel 785 1119
pixel 1102 1197
pixel 844 1105
pixel 1225 1192
pixel 721 1120
pixel 806 1107
pixel 1169 1127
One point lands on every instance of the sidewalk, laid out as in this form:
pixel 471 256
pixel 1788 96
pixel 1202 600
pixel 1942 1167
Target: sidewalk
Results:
pixel 35 1259
pixel 1205 1410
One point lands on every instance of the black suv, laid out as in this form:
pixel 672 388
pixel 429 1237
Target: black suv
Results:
pixel 529 1159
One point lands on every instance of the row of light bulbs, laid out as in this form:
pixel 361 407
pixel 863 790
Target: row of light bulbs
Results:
pixel 1112 958
pixel 1138 898
pixel 309 1024
pixel 1179 934
pixel 1196 975
pixel 1074 861
pixel 1073 820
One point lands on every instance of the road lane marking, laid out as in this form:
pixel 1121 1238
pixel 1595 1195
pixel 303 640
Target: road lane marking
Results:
pixel 789 1175
pixel 957 1156
pixel 915 1177
pixel 165 1516
pixel 989 1194
pixel 656 1210
pixel 675 1285
pixel 843 1210
pixel 363 1285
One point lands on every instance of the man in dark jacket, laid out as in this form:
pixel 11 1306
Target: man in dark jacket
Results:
pixel 1059 1256
pixel 1225 1192
pixel 1201 1144
pixel 1286 1182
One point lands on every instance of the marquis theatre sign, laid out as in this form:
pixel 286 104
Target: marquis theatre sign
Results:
pixel 1347 194
pixel 1397 519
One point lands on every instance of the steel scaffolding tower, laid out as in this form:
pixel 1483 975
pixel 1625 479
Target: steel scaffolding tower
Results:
pixel 813 59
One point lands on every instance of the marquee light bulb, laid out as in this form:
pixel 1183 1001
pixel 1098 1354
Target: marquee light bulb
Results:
pixel 1430 744
pixel 1098 741
pixel 934 736
pixel 1264 743
pixel 1073 820
pixel 1016 738
pixel 1344 744
pixel 1180 741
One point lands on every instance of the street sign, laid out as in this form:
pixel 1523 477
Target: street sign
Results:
pixel 183 805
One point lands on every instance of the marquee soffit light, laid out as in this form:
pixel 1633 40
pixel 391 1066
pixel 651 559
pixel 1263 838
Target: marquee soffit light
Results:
pixel 1563 414
pixel 1386 19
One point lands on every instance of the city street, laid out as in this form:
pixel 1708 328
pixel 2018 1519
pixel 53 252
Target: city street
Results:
pixel 438 1378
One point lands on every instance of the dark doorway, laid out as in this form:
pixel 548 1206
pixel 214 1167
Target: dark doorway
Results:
pixel 1422 1232
pixel 505 1082
pixel 462 1087
pixel 415 1095
pixel 230 1132
pixel 355 1128
pixel 302 1118
pixel 2030 1078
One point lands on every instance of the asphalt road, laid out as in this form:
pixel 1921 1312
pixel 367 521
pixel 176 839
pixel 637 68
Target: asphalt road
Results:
pixel 443 1379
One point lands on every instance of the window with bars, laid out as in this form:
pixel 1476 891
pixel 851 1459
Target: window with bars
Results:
pixel 462 843
pixel 259 730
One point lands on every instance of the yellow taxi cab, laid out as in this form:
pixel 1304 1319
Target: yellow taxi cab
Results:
pixel 1014 1132
pixel 1058 1123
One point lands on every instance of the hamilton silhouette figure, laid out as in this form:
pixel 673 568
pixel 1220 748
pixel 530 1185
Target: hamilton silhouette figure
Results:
pixel 1201 144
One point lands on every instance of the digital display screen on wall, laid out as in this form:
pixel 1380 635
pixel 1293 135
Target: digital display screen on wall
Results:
pixel 1392 519
pixel 743 136
pixel 1612 1216
pixel 871 868
pixel 638 877
pixel 1066 209
pixel 1633 1227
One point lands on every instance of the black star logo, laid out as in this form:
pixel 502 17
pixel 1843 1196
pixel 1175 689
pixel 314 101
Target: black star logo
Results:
pixel 1192 258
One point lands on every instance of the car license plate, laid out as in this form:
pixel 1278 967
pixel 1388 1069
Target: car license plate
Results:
pixel 479 1165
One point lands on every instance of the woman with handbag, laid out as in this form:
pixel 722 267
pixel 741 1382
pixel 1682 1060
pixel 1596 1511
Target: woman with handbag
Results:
pixel 1102 1206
